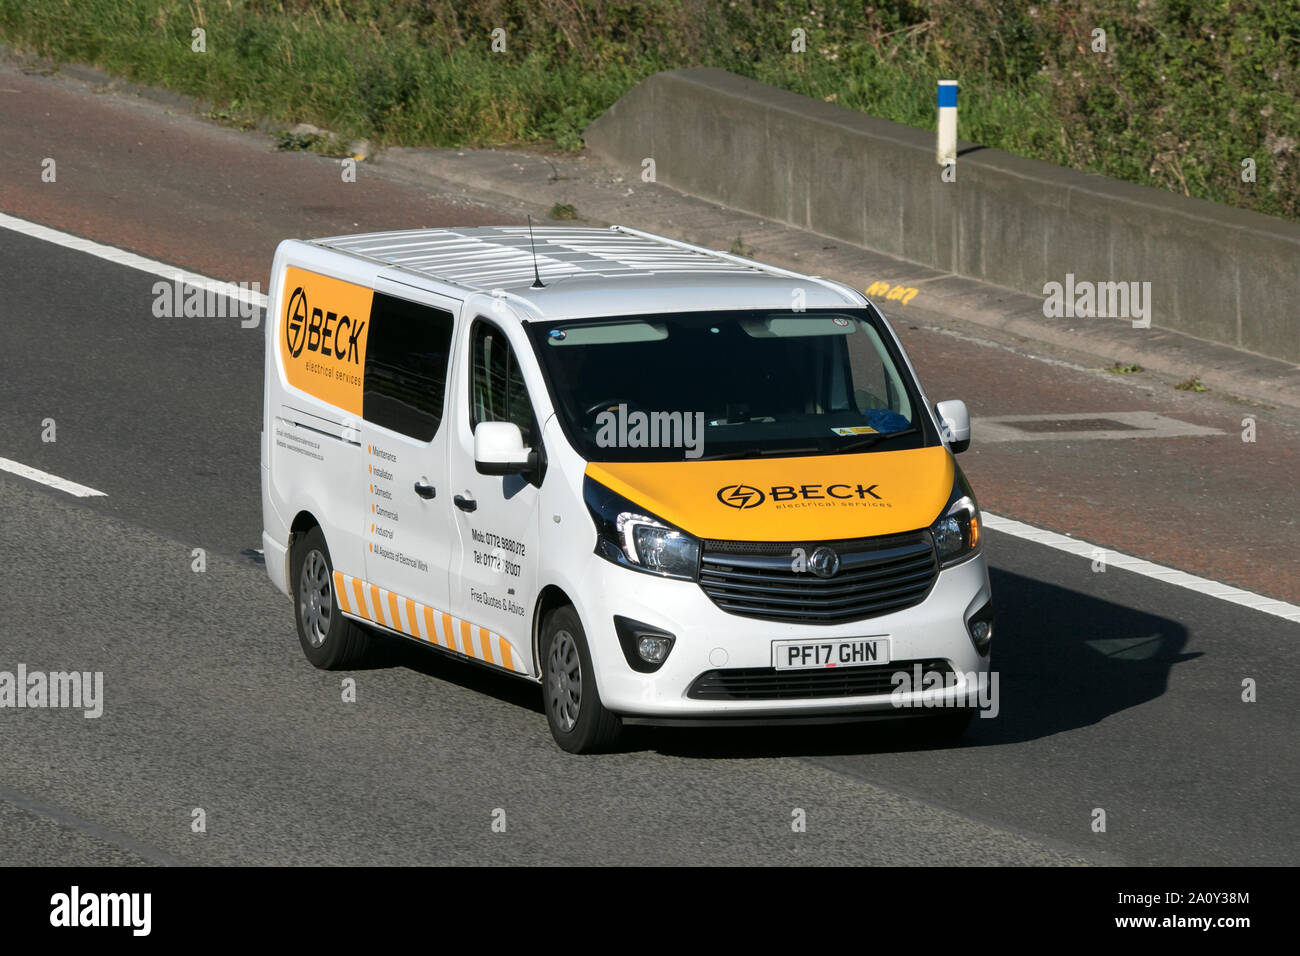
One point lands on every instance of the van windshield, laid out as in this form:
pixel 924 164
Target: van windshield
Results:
pixel 729 385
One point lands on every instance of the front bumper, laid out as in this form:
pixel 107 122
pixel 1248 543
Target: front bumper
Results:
pixel 710 639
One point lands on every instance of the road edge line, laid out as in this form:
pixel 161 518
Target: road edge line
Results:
pixel 130 259
pixel 1148 569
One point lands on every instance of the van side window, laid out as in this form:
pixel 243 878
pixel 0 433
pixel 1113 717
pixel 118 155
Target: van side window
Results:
pixel 497 390
pixel 407 355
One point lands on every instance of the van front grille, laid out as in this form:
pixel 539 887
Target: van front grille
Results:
pixel 768 683
pixel 770 581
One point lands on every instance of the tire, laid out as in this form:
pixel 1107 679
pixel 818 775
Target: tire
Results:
pixel 579 722
pixel 330 641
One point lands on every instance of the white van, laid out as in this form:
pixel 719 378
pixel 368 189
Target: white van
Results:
pixel 667 484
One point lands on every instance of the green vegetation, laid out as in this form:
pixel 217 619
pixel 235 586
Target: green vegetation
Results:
pixel 1193 384
pixel 1186 91
pixel 738 248
pixel 563 210
pixel 290 140
pixel 1119 369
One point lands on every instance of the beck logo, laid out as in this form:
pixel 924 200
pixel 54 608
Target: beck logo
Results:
pixel 295 329
pixel 747 496
pixel 741 496
pixel 325 332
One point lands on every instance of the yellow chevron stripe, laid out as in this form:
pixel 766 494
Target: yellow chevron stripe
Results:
pixel 361 597
pixel 369 601
pixel 341 592
pixel 394 617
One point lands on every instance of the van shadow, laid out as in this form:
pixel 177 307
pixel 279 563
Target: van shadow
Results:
pixel 387 650
pixel 1064 660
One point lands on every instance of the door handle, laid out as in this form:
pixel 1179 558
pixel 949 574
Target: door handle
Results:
pixel 465 502
pixel 424 489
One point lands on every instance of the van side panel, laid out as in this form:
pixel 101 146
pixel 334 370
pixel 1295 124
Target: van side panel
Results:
pixel 317 321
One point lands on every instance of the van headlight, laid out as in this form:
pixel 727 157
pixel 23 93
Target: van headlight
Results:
pixel 957 533
pixel 628 536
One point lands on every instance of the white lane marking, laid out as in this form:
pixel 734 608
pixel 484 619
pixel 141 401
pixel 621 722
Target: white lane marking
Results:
pixel 45 478
pixel 130 259
pixel 1117 559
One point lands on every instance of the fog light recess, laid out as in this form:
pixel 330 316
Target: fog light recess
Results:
pixel 980 627
pixel 644 646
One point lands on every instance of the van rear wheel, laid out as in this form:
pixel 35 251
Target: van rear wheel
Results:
pixel 329 640
pixel 579 722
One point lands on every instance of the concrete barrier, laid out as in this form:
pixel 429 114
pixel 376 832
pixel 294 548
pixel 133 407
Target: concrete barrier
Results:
pixel 1218 273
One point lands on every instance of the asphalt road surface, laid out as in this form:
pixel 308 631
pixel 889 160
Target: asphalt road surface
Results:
pixel 1118 692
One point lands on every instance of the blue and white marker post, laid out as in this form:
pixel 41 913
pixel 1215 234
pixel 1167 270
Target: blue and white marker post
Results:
pixel 947 145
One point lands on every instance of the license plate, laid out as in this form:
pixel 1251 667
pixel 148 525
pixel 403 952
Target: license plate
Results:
pixel 843 652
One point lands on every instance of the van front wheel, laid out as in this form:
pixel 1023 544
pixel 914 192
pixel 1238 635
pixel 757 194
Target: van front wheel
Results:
pixel 329 640
pixel 579 722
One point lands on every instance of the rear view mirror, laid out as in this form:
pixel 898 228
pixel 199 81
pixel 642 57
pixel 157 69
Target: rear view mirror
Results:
pixel 954 422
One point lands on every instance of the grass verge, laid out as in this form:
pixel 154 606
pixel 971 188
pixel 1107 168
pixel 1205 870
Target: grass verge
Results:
pixel 1199 98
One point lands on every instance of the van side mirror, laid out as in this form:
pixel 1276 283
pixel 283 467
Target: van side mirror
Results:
pixel 499 450
pixel 954 420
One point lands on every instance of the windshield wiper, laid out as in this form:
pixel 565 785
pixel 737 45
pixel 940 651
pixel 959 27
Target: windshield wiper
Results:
pixel 759 453
pixel 874 440
pixel 858 445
